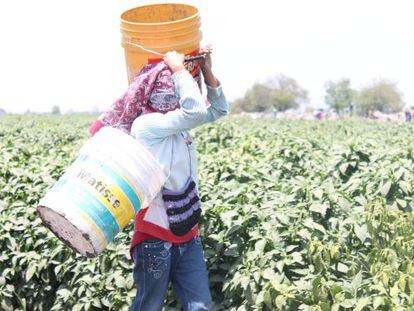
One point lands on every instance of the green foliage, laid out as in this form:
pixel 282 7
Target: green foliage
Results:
pixel 381 95
pixel 280 93
pixel 297 215
pixel 339 94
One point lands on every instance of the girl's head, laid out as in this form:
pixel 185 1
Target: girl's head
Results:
pixel 162 95
pixel 154 85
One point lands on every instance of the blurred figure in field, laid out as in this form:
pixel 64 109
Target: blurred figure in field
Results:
pixel 274 112
pixel 408 114
pixel 350 108
pixel 319 114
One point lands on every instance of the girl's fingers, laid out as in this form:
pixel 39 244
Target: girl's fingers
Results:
pixel 205 52
pixel 206 48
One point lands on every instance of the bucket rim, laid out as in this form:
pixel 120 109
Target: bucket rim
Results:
pixel 160 23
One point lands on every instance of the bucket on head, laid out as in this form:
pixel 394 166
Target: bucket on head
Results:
pixel 160 28
pixel 113 176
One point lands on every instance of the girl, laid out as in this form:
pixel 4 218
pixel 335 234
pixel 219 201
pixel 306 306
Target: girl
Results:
pixel 160 106
pixel 166 246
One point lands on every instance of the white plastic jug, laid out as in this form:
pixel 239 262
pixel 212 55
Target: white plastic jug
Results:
pixel 113 176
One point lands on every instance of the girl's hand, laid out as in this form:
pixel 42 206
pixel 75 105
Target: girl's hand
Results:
pixel 206 50
pixel 208 75
pixel 175 61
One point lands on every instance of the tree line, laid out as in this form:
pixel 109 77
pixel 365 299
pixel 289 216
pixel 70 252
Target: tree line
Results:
pixel 281 93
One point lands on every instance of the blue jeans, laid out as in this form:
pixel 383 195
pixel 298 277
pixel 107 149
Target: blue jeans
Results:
pixel 158 262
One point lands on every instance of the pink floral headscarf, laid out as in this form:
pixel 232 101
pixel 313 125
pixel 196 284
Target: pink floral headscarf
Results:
pixel 152 90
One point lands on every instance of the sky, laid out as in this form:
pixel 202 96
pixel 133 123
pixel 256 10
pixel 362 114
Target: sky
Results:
pixel 68 53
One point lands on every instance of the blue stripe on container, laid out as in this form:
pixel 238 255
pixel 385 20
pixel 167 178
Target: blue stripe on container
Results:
pixel 57 186
pixel 72 190
pixel 89 204
pixel 121 183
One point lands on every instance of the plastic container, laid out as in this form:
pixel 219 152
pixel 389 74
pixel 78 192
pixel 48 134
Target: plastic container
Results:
pixel 160 28
pixel 96 197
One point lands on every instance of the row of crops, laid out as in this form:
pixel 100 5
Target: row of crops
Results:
pixel 297 215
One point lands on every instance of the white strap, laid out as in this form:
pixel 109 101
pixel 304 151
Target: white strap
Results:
pixel 172 156
pixel 142 48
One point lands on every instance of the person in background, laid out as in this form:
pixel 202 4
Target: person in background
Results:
pixel 274 112
pixel 350 108
pixel 407 114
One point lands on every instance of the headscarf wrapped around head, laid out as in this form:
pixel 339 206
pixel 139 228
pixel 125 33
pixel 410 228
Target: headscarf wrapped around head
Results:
pixel 152 90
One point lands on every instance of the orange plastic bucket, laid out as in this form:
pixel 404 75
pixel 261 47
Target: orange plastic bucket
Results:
pixel 160 28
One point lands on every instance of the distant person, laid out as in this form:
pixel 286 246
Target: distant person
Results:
pixel 319 114
pixel 370 114
pixel 350 108
pixel 274 112
pixel 408 114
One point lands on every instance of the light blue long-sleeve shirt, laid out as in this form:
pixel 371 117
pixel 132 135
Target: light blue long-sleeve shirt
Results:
pixel 163 134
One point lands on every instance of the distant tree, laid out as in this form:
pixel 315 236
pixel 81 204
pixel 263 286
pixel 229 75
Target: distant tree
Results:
pixel 56 110
pixel 339 95
pixel 257 99
pixel 381 95
pixel 2 111
pixel 280 93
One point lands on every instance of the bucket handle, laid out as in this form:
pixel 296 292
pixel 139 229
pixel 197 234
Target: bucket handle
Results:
pixel 187 59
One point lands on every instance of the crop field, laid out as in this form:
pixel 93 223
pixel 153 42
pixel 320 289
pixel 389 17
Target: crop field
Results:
pixel 297 215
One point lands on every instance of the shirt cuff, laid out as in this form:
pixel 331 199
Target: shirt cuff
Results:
pixel 214 92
